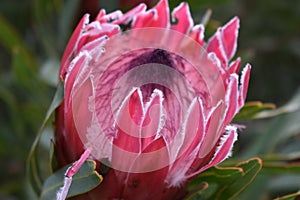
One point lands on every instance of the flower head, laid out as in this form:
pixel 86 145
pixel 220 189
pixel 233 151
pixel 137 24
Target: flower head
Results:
pixel 150 99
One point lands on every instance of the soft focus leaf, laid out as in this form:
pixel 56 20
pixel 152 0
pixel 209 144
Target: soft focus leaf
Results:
pixel 276 164
pixel 226 182
pixel 195 192
pixel 10 101
pixel 278 137
pixel 55 21
pixel 294 196
pixel 252 109
pixel 66 20
pixel 32 164
pixel 25 71
pixel 49 71
pixel 250 168
pixel 284 184
pixel 216 174
pixel 23 63
pixel 84 180
pixel 52 162
pixel 291 106
pixel 44 13
pixel 196 5
pixel 8 36
pixel 280 130
pixel 222 175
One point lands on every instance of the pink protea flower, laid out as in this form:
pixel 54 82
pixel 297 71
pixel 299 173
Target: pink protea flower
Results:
pixel 154 103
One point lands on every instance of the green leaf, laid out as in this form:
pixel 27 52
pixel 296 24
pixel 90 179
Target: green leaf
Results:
pixel 216 174
pixel 289 197
pixel 250 169
pixel 44 13
pixel 66 20
pixel 282 130
pixel 33 173
pixel 225 182
pixel 252 109
pixel 52 162
pixel 195 193
pixel 292 106
pixel 54 23
pixel 276 164
pixel 83 181
pixel 196 5
pixel 8 36
pixel 9 100
pixel 221 175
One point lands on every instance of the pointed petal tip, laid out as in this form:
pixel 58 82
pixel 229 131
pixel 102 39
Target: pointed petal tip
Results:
pixel 184 7
pixel 227 140
pixel 72 45
pixel 223 150
pixel 248 66
pixel 234 66
pixel 184 18
pixel 246 72
pixel 131 14
pixel 235 22
pixel 224 41
pixel 163 12
pixel 244 81
pixel 235 19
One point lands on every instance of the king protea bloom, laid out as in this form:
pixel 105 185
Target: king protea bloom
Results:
pixel 149 100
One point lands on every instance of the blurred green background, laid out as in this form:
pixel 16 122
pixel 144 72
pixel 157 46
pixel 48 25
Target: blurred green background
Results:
pixel 33 34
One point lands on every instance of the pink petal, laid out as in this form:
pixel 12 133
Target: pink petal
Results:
pixel 72 46
pixel 137 182
pixel 235 66
pixel 222 152
pixel 152 121
pixel 224 41
pixel 143 19
pixel 231 99
pixel 229 37
pixel 194 129
pixel 95 47
pixel 215 45
pixel 214 123
pixel 193 134
pixel 110 17
pixel 154 157
pixel 101 14
pixel 94 33
pixel 138 128
pixel 156 17
pixel 78 65
pixel 163 13
pixel 127 143
pixel 182 16
pixel 244 84
pixel 197 34
pixel 128 123
pixel 77 102
pixel 127 17
pixel 220 66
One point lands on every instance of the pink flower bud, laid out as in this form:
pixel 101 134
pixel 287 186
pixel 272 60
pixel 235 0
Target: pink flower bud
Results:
pixel 150 100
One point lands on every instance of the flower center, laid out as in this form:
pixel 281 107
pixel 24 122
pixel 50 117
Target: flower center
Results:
pixel 150 58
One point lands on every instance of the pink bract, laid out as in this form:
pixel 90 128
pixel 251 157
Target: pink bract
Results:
pixel 155 101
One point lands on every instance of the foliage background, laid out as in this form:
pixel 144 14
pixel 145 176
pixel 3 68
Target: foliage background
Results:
pixel 33 34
